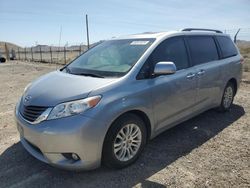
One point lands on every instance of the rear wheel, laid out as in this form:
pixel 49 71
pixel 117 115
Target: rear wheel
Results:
pixel 228 97
pixel 124 141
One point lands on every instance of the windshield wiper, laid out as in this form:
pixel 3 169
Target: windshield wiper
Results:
pixel 90 74
pixel 68 70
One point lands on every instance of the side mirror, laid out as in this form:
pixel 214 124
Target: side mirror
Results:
pixel 164 68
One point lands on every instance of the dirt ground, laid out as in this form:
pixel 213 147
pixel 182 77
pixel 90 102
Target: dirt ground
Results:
pixel 210 150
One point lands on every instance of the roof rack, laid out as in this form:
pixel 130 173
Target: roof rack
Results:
pixel 200 29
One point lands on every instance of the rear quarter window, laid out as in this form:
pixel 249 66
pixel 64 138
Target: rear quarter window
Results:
pixel 202 49
pixel 227 46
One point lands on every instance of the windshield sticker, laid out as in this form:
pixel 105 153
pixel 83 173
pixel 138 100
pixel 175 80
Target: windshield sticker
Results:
pixel 139 42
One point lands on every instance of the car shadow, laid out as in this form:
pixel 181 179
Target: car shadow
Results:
pixel 19 168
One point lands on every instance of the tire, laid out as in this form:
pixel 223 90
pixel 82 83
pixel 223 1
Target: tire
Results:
pixel 112 155
pixel 227 98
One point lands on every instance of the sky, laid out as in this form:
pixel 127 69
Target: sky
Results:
pixel 30 22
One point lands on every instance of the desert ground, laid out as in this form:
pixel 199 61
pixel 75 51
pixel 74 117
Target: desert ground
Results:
pixel 210 150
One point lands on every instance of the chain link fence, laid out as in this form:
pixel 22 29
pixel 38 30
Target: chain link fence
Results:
pixel 49 54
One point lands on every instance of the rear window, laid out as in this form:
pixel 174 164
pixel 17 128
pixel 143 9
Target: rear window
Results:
pixel 227 46
pixel 202 49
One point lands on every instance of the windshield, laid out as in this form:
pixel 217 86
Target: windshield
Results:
pixel 112 58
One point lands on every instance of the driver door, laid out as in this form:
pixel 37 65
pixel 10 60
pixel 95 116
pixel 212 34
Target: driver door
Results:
pixel 173 96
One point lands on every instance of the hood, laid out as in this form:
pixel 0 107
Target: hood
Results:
pixel 57 87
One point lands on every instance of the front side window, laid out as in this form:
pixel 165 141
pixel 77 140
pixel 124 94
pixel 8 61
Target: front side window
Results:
pixel 172 49
pixel 112 58
pixel 227 47
pixel 202 49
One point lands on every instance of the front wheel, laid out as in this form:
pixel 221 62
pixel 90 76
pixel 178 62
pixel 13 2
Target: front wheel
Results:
pixel 124 141
pixel 227 98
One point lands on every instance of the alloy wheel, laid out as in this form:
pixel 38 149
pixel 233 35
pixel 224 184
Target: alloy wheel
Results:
pixel 127 142
pixel 228 97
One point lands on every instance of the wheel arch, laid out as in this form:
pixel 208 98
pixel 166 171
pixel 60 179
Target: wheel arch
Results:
pixel 234 82
pixel 145 119
pixel 141 115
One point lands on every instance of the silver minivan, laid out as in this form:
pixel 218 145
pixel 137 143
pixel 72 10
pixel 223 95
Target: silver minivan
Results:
pixel 106 104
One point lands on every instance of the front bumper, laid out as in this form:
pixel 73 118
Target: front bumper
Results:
pixel 48 140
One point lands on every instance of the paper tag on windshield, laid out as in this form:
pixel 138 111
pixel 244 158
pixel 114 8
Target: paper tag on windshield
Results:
pixel 139 42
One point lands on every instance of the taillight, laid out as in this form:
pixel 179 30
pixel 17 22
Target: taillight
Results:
pixel 242 60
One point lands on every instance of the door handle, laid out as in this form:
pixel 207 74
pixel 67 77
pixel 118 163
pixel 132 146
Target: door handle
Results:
pixel 201 72
pixel 190 76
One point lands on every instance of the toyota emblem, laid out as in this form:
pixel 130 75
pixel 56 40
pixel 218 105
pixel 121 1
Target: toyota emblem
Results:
pixel 27 99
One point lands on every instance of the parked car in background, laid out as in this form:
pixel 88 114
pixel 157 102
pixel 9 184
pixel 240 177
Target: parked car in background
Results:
pixel 104 106
pixel 2 59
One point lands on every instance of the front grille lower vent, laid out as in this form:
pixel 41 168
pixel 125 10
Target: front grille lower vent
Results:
pixel 31 113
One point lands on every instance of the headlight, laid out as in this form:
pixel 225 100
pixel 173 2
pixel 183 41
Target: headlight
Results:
pixel 73 107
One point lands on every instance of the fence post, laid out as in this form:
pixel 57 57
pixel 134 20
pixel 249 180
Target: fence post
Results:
pixel 51 59
pixel 32 58
pixel 80 49
pixel 7 52
pixel 58 51
pixel 41 57
pixel 18 53
pixel 25 57
pixel 64 55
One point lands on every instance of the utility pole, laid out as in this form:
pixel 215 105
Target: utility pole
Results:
pixel 87 28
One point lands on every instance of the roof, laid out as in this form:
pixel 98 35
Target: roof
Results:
pixel 146 35
pixel 188 31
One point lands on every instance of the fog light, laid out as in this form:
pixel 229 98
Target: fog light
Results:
pixel 75 156
pixel 71 156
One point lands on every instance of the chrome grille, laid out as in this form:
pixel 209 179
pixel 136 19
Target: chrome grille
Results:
pixel 31 113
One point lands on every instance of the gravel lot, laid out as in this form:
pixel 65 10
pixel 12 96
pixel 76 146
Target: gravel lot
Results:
pixel 210 150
